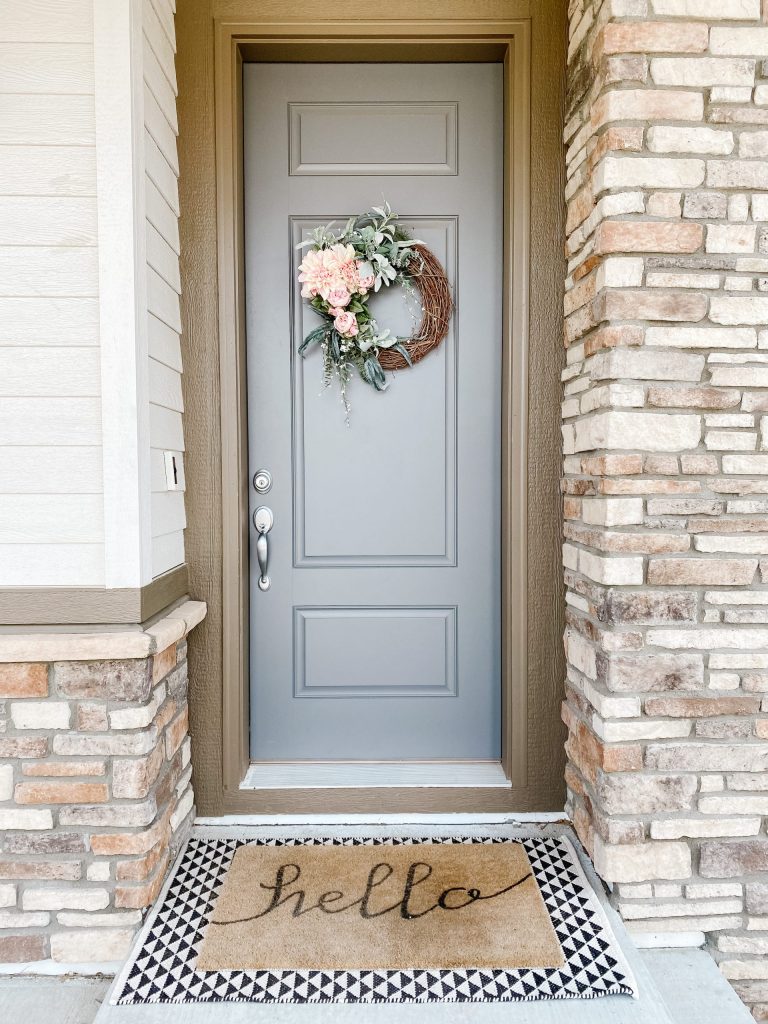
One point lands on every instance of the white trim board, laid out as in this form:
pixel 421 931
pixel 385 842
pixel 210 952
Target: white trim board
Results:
pixel 355 774
pixel 539 818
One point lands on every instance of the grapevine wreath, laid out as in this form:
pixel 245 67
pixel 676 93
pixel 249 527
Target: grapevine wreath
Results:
pixel 339 272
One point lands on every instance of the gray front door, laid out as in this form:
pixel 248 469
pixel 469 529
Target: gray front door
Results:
pixel 379 636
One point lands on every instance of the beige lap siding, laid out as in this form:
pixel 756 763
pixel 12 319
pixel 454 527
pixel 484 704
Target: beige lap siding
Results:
pixel 95 790
pixel 665 413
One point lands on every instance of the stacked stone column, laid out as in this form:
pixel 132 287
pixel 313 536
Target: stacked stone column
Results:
pixel 95 785
pixel 665 415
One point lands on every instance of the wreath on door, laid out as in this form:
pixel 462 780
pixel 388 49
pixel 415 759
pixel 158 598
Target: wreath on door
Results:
pixel 341 271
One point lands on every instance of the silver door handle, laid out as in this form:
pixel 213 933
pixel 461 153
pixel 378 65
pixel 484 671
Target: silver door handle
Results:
pixel 263 521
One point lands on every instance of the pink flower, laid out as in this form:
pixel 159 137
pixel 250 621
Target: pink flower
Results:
pixel 317 273
pixel 365 276
pixel 346 324
pixel 338 297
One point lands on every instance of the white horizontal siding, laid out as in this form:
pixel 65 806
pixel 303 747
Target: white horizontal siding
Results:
pixel 50 421
pixel 51 504
pixel 47 120
pixel 47 21
pixel 162 259
pixel 51 519
pixel 48 270
pixel 52 565
pixel 52 473
pixel 47 220
pixel 161 174
pixel 167 551
pixel 48 171
pixel 164 343
pixel 163 280
pixel 37 372
pixel 165 386
pixel 48 320
pixel 51 470
pixel 45 68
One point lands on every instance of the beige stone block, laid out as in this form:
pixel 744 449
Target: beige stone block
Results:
pixel 739 309
pixel 647 236
pixel 639 863
pixel 715 10
pixel 701 572
pixel 730 441
pixel 654 37
pixel 630 732
pixel 685 925
pixel 665 204
pixel 707 757
pixel 705 828
pixel 647 105
pixel 741 544
pixel 646 431
pixel 75 898
pixel 731 238
pixel 702 71
pixel 13 919
pixel 753 144
pixel 646 364
pixel 687 908
pixel 648 172
pixel 108 919
pixel 713 890
pixel 23 818
pixel 737 174
pixel 612 511
pixel 734 804
pixel 611 570
pixel 689 139
pixel 747 465
pixel 85 946
pixel 41 715
pixel 664 279
pixel 701 337
pixel 752 41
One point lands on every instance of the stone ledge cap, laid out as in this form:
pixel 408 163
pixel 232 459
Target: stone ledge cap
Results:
pixel 106 646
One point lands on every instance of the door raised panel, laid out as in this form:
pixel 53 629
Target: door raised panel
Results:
pixel 376 138
pixel 375 652
pixel 381 491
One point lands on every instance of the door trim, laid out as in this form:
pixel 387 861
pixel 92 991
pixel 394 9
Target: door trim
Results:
pixel 506 42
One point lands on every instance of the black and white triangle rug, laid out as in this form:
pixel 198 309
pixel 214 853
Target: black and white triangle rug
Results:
pixel 161 968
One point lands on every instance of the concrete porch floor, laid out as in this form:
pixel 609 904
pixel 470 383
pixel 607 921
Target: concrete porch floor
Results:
pixel 677 986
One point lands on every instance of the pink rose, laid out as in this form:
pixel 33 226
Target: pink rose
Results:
pixel 338 297
pixel 346 324
pixel 366 277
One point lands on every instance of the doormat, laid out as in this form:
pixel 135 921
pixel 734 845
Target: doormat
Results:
pixel 375 920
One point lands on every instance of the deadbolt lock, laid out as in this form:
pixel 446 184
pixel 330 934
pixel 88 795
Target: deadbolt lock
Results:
pixel 262 481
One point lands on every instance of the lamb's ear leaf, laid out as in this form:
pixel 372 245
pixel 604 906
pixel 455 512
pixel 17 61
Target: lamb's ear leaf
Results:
pixel 399 347
pixel 335 346
pixel 314 337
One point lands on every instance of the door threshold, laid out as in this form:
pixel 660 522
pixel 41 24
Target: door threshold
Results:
pixel 368 774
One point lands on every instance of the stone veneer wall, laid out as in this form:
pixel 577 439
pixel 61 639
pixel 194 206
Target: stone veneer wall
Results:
pixel 666 466
pixel 95 793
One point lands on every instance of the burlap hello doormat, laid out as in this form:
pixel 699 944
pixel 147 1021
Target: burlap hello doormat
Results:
pixel 398 919
pixel 356 907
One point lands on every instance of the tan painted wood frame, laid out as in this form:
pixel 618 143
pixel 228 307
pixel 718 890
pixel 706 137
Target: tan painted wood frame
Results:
pixel 507 42
pixel 92 606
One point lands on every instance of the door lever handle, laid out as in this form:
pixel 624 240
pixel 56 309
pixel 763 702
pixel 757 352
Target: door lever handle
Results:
pixel 263 521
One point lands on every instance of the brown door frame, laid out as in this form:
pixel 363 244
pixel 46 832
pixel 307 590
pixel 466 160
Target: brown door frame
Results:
pixel 505 42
